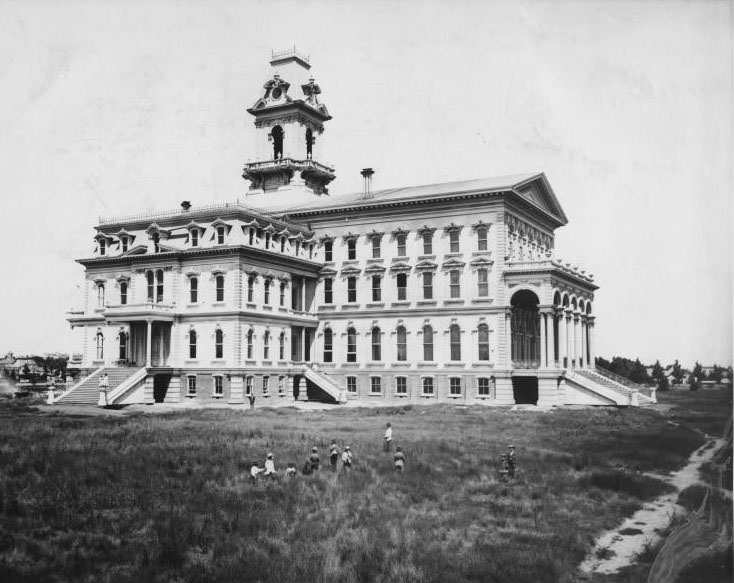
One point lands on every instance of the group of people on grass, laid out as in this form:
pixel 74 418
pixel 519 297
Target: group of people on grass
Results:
pixel 313 462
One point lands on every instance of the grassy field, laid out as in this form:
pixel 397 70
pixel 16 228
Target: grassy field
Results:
pixel 166 497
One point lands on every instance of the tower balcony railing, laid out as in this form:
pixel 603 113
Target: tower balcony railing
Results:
pixel 140 311
pixel 258 165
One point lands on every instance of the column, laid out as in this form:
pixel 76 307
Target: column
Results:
pixel 562 339
pixel 303 294
pixel 551 340
pixel 575 345
pixel 508 337
pixel 543 351
pixel 592 356
pixel 584 359
pixel 148 343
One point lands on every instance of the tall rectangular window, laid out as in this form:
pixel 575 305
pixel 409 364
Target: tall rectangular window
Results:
pixel 328 251
pixel 248 386
pixel 454 241
pixel 352 385
pixel 351 289
pixel 482 239
pixel 376 247
pixel 282 293
pixel 455 284
pixel 251 236
pixel 483 341
pixel 401 386
pixel 267 240
pixel 375 385
pixel 193 289
pixel 482 283
pixel 351 249
pixel 100 295
pixel 124 243
pixel 427 343
pixel 376 288
pixel 427 285
pixel 218 344
pixel 402 343
pixel 123 292
pixel 251 289
pixel 328 345
pixel 455 386
pixel 483 387
pixel 218 386
pixel 455 341
pixel 220 235
pixel 266 299
pixel 150 278
pixel 191 386
pixel 159 286
pixel 194 237
pixel 266 387
pixel 401 239
pixel 376 343
pixel 102 246
pixel 192 344
pixel 328 291
pixel 351 345
pixel 428 243
pixel 220 288
pixel 428 385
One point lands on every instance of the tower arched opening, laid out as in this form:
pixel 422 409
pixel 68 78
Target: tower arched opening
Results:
pixel 277 135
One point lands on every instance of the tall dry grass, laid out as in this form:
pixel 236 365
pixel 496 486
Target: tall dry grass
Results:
pixel 167 498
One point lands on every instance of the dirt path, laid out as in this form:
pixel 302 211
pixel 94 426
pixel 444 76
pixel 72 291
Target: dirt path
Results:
pixel 617 548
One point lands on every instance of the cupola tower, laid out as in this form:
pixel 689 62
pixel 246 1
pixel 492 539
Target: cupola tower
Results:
pixel 289 122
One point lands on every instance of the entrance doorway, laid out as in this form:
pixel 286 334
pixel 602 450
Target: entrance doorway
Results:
pixel 525 390
pixel 160 387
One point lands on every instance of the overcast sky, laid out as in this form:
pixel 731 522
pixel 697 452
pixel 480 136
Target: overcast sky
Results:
pixel 111 108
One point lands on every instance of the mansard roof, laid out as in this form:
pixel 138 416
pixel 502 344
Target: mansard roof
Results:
pixel 533 189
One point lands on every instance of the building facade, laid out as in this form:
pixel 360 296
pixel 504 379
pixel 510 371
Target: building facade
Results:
pixel 446 292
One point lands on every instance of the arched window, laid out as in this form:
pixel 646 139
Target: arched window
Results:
pixel 100 345
pixel 123 292
pixel 328 345
pixel 192 343
pixel 218 343
pixel 376 344
pixel 277 135
pixel 281 346
pixel 194 290
pixel 159 286
pixel 402 338
pixel 268 283
pixel 266 345
pixel 483 338
pixel 309 143
pixel 455 339
pixel 282 293
pixel 250 342
pixel 427 343
pixel 351 345
pixel 123 345
pixel 220 288
pixel 151 285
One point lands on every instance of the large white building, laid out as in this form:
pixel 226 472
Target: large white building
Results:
pixel 443 292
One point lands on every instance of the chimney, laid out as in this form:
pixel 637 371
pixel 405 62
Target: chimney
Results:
pixel 185 206
pixel 367 175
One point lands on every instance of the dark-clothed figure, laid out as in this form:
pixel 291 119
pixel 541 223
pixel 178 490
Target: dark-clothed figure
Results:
pixel 314 459
pixel 347 458
pixel 333 456
pixel 387 443
pixel 399 459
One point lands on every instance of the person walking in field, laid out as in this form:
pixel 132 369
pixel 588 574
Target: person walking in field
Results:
pixel 314 459
pixel 104 386
pixel 347 458
pixel 399 460
pixel 254 472
pixel 510 461
pixel 251 398
pixel 333 456
pixel 387 444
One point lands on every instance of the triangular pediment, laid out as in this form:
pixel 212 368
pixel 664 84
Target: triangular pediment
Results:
pixel 327 271
pixel 137 250
pixel 426 265
pixel 351 270
pixel 400 267
pixel 375 269
pixel 537 191
pixel 453 263
pixel 481 262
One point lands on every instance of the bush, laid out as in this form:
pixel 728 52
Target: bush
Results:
pixel 637 485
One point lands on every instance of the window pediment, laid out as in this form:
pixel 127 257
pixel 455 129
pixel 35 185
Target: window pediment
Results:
pixel 155 229
pixel 453 264
pixel 427 229
pixel 100 235
pixel 351 270
pixel 375 234
pixel 426 266
pixel 481 262
pixel 327 271
pixel 480 224
pixel 375 269
pixel 350 236
pixel 400 231
pixel 137 250
pixel 452 227
pixel 398 267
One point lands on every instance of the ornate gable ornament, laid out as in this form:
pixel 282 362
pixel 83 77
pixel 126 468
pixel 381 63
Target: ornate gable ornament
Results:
pixel 252 223
pixel 220 223
pixel 400 231
pixel 350 236
pixel 375 234
pixel 480 224
pixel 400 267
pixel 452 226
pixel 154 229
pixel 326 237
pixel 426 265
pixel 123 233
pixel 427 229
pixel 105 236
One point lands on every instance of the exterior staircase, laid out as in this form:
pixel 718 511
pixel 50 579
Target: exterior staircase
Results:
pixel 618 389
pixel 325 384
pixel 86 392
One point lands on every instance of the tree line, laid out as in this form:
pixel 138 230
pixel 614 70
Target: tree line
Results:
pixel 639 373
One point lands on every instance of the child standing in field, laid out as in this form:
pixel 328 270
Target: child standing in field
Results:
pixel 399 459
pixel 347 458
pixel 290 470
pixel 387 443
pixel 333 455
pixel 270 466
pixel 314 459
pixel 254 472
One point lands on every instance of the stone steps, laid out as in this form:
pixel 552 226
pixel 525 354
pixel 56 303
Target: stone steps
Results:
pixel 87 392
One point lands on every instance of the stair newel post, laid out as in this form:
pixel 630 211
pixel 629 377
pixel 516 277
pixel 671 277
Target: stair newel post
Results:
pixel 148 343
